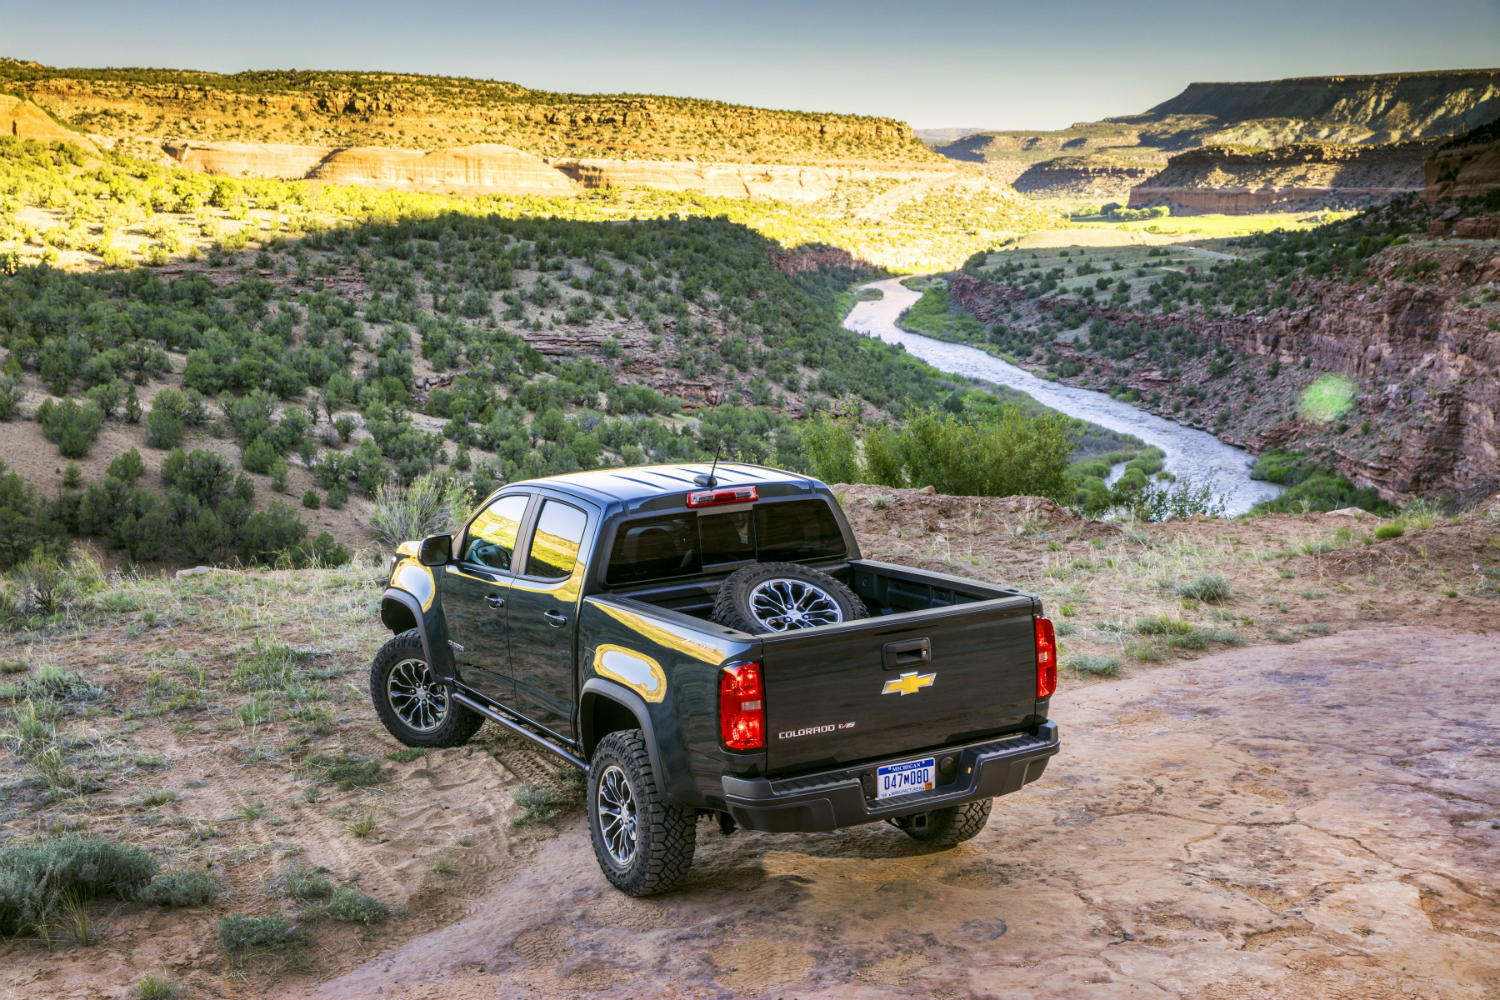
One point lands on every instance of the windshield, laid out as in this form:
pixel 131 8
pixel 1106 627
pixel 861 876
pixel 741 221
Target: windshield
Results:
pixel 687 543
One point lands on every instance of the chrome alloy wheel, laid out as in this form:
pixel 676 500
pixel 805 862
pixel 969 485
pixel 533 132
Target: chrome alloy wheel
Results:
pixel 615 801
pixel 782 605
pixel 419 701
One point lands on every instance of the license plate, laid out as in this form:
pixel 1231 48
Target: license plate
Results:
pixel 909 776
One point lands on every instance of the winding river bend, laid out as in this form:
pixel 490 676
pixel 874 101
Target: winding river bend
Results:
pixel 1190 454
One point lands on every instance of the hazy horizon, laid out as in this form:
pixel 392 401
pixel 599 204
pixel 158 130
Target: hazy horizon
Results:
pixel 954 65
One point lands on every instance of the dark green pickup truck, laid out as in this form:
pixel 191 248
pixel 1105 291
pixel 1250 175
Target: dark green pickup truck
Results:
pixel 708 642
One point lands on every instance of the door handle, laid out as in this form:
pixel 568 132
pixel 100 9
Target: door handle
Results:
pixel 555 618
pixel 495 602
pixel 910 653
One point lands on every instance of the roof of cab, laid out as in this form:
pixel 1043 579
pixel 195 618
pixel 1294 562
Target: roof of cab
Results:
pixel 642 482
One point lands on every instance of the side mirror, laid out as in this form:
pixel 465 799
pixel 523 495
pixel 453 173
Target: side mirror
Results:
pixel 436 550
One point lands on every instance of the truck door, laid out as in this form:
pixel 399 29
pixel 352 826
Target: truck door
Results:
pixel 476 592
pixel 544 617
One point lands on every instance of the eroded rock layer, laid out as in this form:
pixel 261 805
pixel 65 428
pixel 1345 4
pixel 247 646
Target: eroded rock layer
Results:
pixel 1297 177
pixel 24 120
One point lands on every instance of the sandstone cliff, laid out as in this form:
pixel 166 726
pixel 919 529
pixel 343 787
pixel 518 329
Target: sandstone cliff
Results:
pixel 1423 355
pixel 341 110
pixel 1084 177
pixel 1291 178
pixel 248 159
pixel 486 168
pixel 1385 110
pixel 24 120
pixel 727 180
pixel 1466 167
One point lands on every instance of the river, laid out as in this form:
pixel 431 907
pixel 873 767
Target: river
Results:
pixel 1190 454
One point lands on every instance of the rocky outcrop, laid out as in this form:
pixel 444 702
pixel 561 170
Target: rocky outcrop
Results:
pixel 726 180
pixel 1084 176
pixel 248 159
pixel 24 120
pixel 1423 361
pixel 1466 167
pixel 1299 177
pixel 483 168
pixel 1383 108
pixel 353 109
pixel 796 261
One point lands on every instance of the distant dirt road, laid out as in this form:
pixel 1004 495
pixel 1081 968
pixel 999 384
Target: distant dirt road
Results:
pixel 1304 821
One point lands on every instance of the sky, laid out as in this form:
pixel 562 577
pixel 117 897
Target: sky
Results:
pixel 1000 65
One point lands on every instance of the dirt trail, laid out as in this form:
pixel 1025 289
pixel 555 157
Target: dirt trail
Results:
pixel 1312 820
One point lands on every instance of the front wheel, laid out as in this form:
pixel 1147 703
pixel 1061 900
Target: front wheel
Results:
pixel 415 706
pixel 644 844
pixel 946 827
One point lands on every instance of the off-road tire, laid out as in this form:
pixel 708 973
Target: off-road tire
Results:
pixel 665 835
pixel 953 825
pixel 732 605
pixel 459 723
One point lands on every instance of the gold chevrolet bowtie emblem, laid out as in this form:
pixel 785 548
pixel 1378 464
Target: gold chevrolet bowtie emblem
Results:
pixel 909 683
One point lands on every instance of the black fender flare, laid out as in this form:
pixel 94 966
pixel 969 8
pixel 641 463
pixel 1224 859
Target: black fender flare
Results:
pixel 439 665
pixel 597 687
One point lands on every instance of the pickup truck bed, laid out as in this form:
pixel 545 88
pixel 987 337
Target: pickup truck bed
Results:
pixel 945 683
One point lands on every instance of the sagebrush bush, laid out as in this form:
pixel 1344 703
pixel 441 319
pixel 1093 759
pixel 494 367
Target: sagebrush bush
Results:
pixel 430 505
pixel 1092 666
pixel 38 880
pixel 1208 588
pixel 242 936
pixel 154 987
pixel 355 908
pixel 191 887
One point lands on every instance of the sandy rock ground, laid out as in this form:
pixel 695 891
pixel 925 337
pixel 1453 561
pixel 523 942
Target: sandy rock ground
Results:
pixel 1315 821
pixel 1301 804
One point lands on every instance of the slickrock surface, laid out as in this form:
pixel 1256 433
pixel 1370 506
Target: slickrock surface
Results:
pixel 1315 821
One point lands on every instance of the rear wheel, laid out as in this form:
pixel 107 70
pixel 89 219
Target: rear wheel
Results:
pixel 415 706
pixel 953 825
pixel 782 597
pixel 644 844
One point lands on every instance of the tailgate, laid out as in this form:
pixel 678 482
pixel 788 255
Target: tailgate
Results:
pixel 846 693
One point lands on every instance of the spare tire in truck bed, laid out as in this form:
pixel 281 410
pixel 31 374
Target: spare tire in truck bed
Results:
pixel 781 597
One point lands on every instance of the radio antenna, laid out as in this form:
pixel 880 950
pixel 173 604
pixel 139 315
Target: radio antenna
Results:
pixel 712 482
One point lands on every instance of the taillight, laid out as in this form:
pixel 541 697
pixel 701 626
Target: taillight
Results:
pixel 735 494
pixel 1046 659
pixel 742 707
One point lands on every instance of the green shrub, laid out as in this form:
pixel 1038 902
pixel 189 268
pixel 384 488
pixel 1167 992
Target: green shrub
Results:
pixel 1162 625
pixel 428 506
pixel 348 771
pixel 1209 588
pixel 163 429
pixel 242 936
pixel 38 880
pixel 259 455
pixel 355 908
pixel 306 884
pixel 310 500
pixel 1389 531
pixel 128 467
pixel 154 987
pixel 11 394
pixel 192 887
pixel 1092 666
pixel 540 804
pixel 71 427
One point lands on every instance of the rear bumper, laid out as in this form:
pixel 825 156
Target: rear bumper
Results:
pixel 836 799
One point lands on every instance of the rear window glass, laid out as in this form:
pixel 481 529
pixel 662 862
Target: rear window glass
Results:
pixel 684 544
pixel 798 529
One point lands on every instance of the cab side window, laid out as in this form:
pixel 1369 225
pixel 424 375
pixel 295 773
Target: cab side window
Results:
pixel 554 547
pixel 492 535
